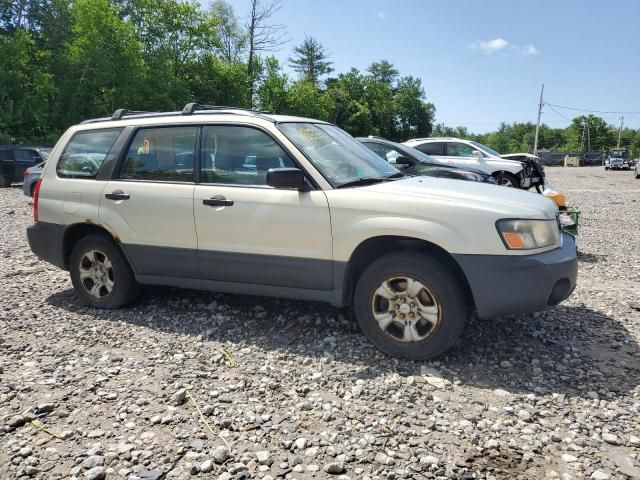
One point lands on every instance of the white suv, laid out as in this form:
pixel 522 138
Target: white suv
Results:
pixel 470 154
pixel 238 201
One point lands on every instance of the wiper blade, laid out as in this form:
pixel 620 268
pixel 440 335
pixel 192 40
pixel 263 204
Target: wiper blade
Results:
pixel 370 180
pixel 361 181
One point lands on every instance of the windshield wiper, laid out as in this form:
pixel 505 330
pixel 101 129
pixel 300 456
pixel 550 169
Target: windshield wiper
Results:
pixel 371 180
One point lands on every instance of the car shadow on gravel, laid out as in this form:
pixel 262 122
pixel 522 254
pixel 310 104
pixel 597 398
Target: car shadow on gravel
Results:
pixel 575 351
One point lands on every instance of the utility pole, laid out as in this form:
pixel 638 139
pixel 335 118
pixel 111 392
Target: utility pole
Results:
pixel 620 131
pixel 584 128
pixel 535 142
pixel 588 136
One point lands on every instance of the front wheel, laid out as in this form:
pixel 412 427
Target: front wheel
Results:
pixel 410 305
pixel 100 273
pixel 507 179
pixel 5 182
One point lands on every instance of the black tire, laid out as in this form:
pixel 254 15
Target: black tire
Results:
pixel 5 182
pixel 507 179
pixel 124 286
pixel 444 288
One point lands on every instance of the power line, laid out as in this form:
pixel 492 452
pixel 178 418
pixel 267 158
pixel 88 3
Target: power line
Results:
pixel 590 111
pixel 558 113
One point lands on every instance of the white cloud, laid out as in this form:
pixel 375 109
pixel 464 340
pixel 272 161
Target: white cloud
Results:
pixel 490 46
pixel 527 50
pixel 381 15
pixel 497 44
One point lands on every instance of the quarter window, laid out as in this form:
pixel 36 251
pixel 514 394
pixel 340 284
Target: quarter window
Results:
pixel 85 153
pixel 459 150
pixel 161 154
pixel 239 155
pixel 431 148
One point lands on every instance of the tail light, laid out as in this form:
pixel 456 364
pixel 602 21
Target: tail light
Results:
pixel 36 195
pixel 24 174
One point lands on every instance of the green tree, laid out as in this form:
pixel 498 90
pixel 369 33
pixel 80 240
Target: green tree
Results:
pixel 414 115
pixel 273 89
pixel 305 100
pixel 383 71
pixel 310 60
pixel 104 58
pixel 231 36
pixel 600 135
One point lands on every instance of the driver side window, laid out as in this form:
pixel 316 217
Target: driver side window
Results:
pixel 459 150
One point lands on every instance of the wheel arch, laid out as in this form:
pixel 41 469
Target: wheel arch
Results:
pixel 375 247
pixel 75 232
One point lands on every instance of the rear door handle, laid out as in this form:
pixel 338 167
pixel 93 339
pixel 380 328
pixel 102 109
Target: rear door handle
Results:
pixel 117 195
pixel 217 201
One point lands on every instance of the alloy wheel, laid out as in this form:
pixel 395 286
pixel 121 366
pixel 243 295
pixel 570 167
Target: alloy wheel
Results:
pixel 405 309
pixel 96 274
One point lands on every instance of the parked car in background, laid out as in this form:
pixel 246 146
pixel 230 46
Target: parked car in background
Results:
pixel 320 217
pixel 617 159
pixel 414 162
pixel 470 154
pixel 15 159
pixel 30 176
pixel 637 170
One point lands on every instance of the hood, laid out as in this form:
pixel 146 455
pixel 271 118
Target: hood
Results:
pixel 509 202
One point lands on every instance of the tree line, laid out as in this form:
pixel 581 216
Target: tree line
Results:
pixel 585 133
pixel 62 61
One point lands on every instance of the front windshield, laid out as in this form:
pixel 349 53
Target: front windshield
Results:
pixel 338 156
pixel 485 149
pixel 618 154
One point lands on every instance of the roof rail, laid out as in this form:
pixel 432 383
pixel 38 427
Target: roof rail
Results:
pixel 191 108
pixel 122 112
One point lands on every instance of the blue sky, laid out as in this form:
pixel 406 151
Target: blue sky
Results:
pixel 482 62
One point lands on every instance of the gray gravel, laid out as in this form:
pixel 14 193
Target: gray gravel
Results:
pixel 297 392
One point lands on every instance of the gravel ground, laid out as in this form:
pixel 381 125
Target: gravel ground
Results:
pixel 297 392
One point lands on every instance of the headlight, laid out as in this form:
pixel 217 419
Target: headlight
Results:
pixel 471 176
pixel 528 234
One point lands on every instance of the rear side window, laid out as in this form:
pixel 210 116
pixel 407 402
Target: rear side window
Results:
pixel 161 154
pixel 459 150
pixel 23 155
pixel 431 148
pixel 85 153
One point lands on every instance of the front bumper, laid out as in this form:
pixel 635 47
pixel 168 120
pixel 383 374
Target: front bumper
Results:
pixel 512 284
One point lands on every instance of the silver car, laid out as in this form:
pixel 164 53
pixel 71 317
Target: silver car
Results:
pixel 31 175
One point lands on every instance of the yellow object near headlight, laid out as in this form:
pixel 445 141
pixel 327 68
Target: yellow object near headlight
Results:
pixel 528 234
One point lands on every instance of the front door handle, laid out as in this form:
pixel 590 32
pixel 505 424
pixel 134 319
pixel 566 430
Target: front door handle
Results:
pixel 117 195
pixel 217 201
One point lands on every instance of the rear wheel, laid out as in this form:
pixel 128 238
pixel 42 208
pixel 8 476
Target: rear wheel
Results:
pixel 410 305
pixel 507 179
pixel 100 273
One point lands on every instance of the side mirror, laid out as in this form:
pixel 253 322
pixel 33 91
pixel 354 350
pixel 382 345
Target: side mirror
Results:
pixel 404 161
pixel 478 154
pixel 286 178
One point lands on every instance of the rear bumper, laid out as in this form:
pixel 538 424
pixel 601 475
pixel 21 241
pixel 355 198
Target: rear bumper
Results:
pixel 46 241
pixel 510 284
